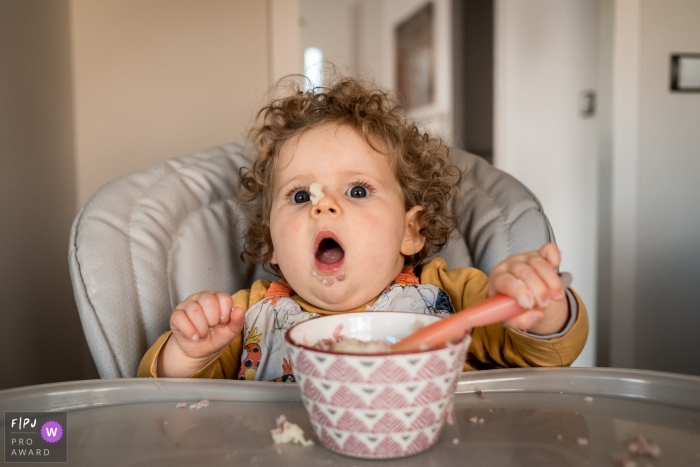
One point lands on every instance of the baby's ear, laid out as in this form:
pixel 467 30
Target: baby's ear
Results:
pixel 413 241
pixel 273 260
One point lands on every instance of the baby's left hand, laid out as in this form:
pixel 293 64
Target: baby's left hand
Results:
pixel 532 280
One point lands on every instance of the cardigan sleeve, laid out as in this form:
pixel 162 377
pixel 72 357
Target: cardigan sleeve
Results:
pixel 225 365
pixel 496 345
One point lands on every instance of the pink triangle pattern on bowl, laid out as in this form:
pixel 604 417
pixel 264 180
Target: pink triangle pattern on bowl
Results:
pixel 377 406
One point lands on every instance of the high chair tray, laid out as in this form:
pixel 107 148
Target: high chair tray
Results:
pixel 524 417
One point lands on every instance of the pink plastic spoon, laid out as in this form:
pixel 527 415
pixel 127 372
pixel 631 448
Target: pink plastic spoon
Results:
pixel 492 310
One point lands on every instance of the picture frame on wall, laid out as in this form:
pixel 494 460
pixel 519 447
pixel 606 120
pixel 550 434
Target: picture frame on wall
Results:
pixel 415 58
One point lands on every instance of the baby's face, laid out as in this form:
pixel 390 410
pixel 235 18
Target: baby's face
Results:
pixel 338 245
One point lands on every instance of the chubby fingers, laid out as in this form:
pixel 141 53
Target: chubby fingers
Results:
pixel 525 321
pixel 237 320
pixel 200 312
pixel 551 253
pixel 548 271
pixel 181 323
pixel 531 278
pixel 225 305
pixel 222 334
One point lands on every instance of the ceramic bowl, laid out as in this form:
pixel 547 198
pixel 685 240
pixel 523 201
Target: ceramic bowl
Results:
pixel 375 406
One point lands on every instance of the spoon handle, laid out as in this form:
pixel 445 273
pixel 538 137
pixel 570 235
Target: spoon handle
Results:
pixel 492 310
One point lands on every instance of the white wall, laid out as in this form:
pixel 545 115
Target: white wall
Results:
pixel 332 27
pixel 667 322
pixel 161 78
pixel 654 262
pixel 545 56
pixel 625 158
pixel 606 17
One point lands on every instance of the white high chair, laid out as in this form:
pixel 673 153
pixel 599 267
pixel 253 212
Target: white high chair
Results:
pixel 146 241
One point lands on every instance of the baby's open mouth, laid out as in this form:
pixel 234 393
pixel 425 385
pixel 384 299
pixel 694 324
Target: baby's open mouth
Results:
pixel 329 252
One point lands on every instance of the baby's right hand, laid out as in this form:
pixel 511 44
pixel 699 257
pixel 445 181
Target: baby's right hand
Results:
pixel 205 323
pixel 202 325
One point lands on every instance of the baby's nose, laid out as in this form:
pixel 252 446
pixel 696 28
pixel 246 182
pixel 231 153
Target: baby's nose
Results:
pixel 326 205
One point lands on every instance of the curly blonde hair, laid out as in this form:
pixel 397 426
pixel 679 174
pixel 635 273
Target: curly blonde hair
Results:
pixel 421 163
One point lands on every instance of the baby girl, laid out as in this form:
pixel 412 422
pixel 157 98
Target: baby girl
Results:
pixel 348 199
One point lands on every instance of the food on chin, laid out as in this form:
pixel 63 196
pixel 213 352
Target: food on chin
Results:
pixel 328 280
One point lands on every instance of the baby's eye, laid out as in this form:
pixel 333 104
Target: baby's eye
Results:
pixel 357 191
pixel 301 196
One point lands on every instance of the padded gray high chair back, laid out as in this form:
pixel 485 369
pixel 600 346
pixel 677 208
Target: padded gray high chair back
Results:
pixel 148 240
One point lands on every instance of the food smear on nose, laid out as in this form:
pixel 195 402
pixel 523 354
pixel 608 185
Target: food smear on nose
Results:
pixel 316 190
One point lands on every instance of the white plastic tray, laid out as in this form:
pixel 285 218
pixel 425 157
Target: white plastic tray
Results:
pixel 531 417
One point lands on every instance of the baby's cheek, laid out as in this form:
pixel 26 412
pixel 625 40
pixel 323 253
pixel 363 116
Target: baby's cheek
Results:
pixel 287 245
pixel 289 229
pixel 370 233
pixel 285 232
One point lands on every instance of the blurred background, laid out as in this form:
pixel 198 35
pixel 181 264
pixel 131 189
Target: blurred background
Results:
pixel 572 97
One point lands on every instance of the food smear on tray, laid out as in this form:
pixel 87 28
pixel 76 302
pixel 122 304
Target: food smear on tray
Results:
pixel 288 432
pixel 199 405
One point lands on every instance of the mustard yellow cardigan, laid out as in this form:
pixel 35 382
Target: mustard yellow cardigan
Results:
pixel 491 345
